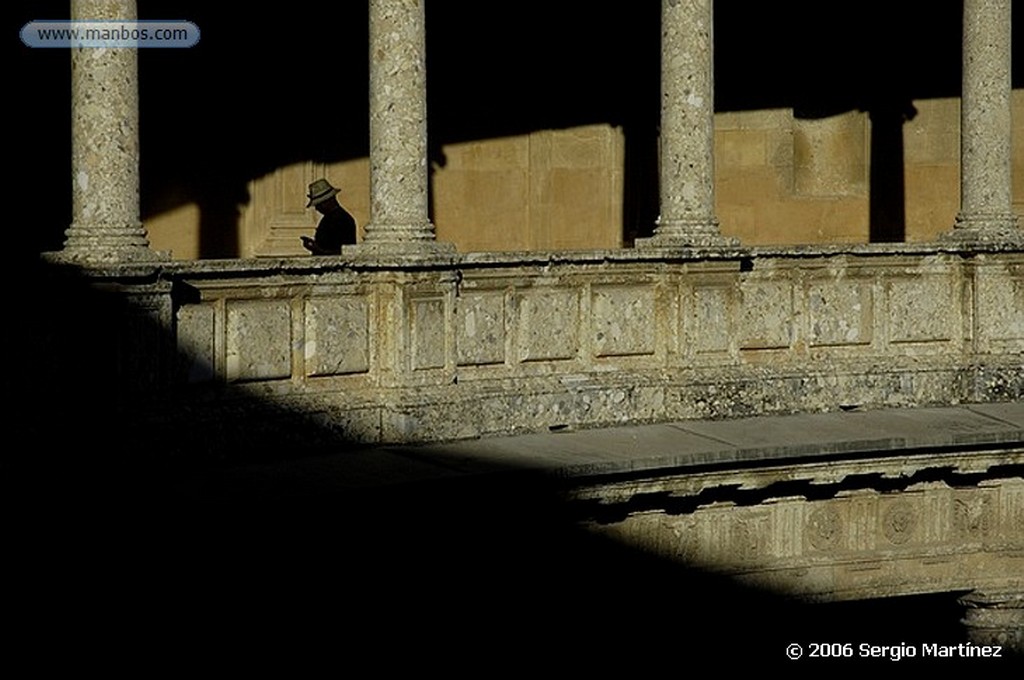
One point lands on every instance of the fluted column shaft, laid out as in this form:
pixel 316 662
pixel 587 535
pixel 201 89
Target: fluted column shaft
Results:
pixel 986 203
pixel 399 217
pixel 105 223
pixel 687 172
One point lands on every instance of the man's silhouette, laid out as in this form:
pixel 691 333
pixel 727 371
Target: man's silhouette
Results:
pixel 336 227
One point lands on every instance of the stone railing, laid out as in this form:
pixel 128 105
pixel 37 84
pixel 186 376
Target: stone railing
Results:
pixel 455 346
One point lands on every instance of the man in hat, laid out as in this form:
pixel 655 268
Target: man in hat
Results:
pixel 336 227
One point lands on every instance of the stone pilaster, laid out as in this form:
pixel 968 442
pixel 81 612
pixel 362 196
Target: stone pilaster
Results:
pixel 986 208
pixel 399 217
pixel 995 619
pixel 687 173
pixel 105 223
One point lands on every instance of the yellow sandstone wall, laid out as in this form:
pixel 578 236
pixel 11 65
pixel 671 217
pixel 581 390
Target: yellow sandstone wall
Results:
pixel 779 180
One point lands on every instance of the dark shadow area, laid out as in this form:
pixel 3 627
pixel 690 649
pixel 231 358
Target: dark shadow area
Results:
pixel 145 528
pixel 264 89
pixel 887 221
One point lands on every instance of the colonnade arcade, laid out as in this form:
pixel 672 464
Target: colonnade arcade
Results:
pixel 106 225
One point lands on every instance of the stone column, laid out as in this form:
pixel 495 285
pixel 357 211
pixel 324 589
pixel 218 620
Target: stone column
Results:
pixel 995 619
pixel 687 173
pixel 986 203
pixel 105 223
pixel 399 218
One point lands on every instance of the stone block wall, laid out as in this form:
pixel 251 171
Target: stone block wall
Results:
pixel 780 179
pixel 863 543
pixel 484 344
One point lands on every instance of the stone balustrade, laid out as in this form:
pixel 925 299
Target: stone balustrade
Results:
pixel 464 346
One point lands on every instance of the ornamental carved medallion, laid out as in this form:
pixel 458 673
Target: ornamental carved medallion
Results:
pixel 824 527
pixel 898 522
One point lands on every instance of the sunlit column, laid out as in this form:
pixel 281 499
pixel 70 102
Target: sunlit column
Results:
pixel 399 217
pixel 105 223
pixel 986 203
pixel 687 173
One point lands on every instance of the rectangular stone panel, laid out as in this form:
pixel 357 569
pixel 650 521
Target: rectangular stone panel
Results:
pixel 196 344
pixel 427 332
pixel 1000 305
pixel 840 313
pixel 259 340
pixel 623 320
pixel 921 309
pixel 713 322
pixel 337 335
pixel 480 329
pixel 548 325
pixel 766 315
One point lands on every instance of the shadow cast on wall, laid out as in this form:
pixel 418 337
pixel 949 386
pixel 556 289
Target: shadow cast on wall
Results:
pixel 265 89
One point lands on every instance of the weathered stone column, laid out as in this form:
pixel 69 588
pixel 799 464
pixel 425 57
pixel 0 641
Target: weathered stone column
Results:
pixel 105 223
pixel 687 174
pixel 986 203
pixel 399 218
pixel 995 619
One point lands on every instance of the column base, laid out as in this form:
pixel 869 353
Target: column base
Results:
pixel 374 249
pixel 995 619
pixel 703 234
pixel 985 230
pixel 94 243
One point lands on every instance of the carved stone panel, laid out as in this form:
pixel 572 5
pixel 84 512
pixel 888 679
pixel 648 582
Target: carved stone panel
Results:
pixel 548 325
pixel 480 328
pixel 898 521
pixel 840 313
pixel 766 316
pixel 824 528
pixel 1000 307
pixel 921 309
pixel 196 342
pixel 623 320
pixel 258 340
pixel 427 332
pixel 337 335
pixel 713 323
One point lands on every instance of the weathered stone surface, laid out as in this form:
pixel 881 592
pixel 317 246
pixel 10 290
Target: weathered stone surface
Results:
pixel 863 542
pixel 921 310
pixel 766 317
pixel 428 332
pixel 337 336
pixel 399 221
pixel 491 345
pixel 1000 307
pixel 105 147
pixel 548 325
pixel 995 617
pixel 197 341
pixel 258 340
pixel 687 167
pixel 713 323
pixel 480 328
pixel 624 320
pixel 986 210
pixel 840 313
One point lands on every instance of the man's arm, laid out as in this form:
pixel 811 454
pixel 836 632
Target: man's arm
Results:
pixel 310 245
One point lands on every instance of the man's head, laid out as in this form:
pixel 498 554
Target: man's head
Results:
pixel 322 195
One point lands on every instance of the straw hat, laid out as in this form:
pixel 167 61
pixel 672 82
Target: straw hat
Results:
pixel 320 191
